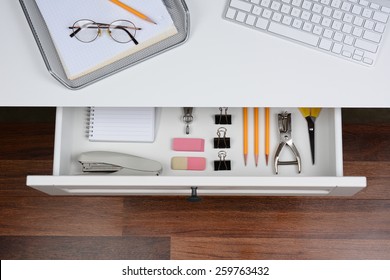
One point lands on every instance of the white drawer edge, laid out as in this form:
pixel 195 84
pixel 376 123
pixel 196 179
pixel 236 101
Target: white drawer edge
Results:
pixel 137 185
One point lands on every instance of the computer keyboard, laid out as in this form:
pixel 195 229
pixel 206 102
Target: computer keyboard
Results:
pixel 350 29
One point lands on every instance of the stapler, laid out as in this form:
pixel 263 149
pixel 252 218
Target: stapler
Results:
pixel 118 164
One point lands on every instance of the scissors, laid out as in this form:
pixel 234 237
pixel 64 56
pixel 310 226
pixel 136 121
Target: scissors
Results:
pixel 310 114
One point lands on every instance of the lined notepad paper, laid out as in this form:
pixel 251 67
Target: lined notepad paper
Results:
pixel 79 58
pixel 122 124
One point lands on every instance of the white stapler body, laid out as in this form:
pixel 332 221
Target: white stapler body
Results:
pixel 118 163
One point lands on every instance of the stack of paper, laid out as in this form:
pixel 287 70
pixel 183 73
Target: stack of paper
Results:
pixel 80 58
pixel 117 124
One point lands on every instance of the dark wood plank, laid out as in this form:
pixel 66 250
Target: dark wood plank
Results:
pixel 14 173
pixel 84 248
pixel 26 141
pixel 188 248
pixel 63 216
pixel 259 217
pixel 366 142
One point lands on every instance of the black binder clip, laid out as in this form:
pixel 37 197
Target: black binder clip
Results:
pixel 188 118
pixel 223 117
pixel 222 163
pixel 222 142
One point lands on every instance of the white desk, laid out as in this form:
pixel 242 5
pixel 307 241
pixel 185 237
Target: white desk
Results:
pixel 222 64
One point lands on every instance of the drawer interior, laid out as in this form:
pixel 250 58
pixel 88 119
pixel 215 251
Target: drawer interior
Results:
pixel 72 140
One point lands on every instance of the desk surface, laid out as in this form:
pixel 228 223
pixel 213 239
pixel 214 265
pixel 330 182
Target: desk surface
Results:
pixel 222 64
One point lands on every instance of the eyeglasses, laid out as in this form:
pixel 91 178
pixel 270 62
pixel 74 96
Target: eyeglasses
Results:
pixel 121 31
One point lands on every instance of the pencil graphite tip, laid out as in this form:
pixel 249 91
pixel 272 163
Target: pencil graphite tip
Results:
pixel 266 160
pixel 245 159
pixel 256 160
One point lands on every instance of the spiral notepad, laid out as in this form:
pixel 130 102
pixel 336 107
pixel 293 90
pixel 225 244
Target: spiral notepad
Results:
pixel 121 124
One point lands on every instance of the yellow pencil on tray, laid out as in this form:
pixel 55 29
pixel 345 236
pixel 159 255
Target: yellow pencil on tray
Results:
pixel 131 10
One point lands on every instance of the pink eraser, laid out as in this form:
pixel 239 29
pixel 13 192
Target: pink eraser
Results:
pixel 188 144
pixel 188 163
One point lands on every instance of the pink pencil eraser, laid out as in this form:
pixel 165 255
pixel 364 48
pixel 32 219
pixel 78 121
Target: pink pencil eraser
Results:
pixel 188 163
pixel 188 144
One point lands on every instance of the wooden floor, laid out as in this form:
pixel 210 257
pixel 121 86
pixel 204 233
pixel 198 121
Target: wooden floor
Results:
pixel 36 226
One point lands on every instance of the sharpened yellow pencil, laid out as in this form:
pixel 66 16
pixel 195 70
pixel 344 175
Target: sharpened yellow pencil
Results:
pixel 131 10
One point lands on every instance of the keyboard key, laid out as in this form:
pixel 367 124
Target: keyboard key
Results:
pixel 359 52
pixel 358 21
pixel 379 27
pixel 337 14
pixel 346 53
pixel 257 10
pixel 348 18
pixel 328 33
pixel 326 22
pixel 318 30
pixel 250 20
pixel 347 28
pixel 374 6
pixel 267 13
pixel 285 9
pixel 261 23
pixel 337 48
pixel 317 8
pixel 306 5
pixel 356 9
pixel 336 4
pixel 277 17
pixel 348 40
pixel 315 18
pixel 369 24
pixel 230 13
pixel 296 2
pixel 275 6
pixel 327 11
pixel 357 32
pixel 338 37
pixel 241 5
pixel 367 13
pixel 325 44
pixel 265 3
pixel 241 16
pixel 307 26
pixel 295 12
pixel 368 60
pixel 305 15
pixel 336 25
pixel 346 6
pixel 382 17
pixel 365 45
pixel 297 23
pixel 357 57
pixel 372 36
pixel 256 2
pixel 294 34
pixel 385 10
pixel 287 20
pixel 363 3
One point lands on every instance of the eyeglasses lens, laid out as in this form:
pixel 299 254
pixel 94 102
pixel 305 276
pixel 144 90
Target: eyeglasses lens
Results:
pixel 120 31
pixel 86 30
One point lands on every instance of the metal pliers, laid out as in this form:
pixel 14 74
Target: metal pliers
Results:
pixel 284 121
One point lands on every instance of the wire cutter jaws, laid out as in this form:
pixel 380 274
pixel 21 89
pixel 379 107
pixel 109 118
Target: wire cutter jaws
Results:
pixel 284 121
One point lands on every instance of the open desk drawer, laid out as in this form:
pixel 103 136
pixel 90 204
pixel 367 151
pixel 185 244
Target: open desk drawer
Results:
pixel 323 178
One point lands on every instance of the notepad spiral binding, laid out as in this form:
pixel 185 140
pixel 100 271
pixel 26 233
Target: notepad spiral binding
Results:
pixel 89 122
pixel 177 9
